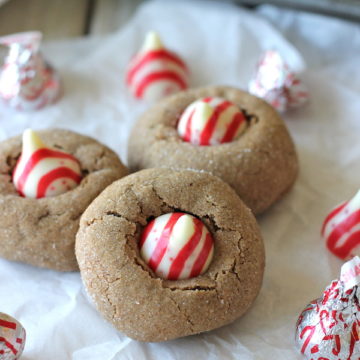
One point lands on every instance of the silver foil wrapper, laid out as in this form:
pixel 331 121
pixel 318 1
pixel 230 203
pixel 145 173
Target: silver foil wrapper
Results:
pixel 12 338
pixel 277 84
pixel 27 81
pixel 329 327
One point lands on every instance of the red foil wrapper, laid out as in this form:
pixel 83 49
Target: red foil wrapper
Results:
pixel 27 81
pixel 277 84
pixel 12 338
pixel 329 327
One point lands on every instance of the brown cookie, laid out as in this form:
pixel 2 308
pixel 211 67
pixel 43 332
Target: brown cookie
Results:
pixel 261 165
pixel 41 232
pixel 124 288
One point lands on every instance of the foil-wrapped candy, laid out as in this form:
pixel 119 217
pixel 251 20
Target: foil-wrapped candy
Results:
pixel 277 84
pixel 12 338
pixel 27 81
pixel 329 327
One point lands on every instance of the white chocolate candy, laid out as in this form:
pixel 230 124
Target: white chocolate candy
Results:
pixel 177 246
pixel 211 121
pixel 42 171
pixel 155 72
pixel 12 338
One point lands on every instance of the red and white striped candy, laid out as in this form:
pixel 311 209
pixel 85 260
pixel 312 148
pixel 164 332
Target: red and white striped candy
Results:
pixel 341 229
pixel 12 338
pixel 42 171
pixel 156 72
pixel 177 246
pixel 211 121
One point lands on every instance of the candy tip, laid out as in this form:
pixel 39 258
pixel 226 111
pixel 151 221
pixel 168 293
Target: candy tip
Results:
pixel 31 140
pixel 356 199
pixel 152 41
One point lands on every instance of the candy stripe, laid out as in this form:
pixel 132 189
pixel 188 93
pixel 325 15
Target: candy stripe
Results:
pixel 203 256
pixel 211 124
pixel 233 127
pixel 7 324
pixel 163 241
pixel 336 351
pixel 179 262
pixel 150 57
pixel 34 159
pixel 306 342
pixel 157 66
pixel 158 76
pixel 341 228
pixel 354 338
pixel 187 136
pixel 60 172
pixel 156 72
pixel 8 345
pixel 177 246
pixel 332 214
pixel 352 242
pixel 146 233
pixel 214 121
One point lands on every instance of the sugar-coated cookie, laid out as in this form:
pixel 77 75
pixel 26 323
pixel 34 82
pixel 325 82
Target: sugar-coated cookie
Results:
pixel 41 232
pixel 126 290
pixel 260 163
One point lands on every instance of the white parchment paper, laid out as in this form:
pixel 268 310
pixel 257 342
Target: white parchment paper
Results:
pixel 221 44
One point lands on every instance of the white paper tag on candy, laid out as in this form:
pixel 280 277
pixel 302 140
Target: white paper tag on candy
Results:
pixel 350 273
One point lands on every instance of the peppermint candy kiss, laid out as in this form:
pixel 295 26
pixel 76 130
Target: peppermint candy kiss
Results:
pixel 42 171
pixel 277 84
pixel 12 338
pixel 177 246
pixel 341 229
pixel 329 327
pixel 156 72
pixel 211 121
pixel 27 81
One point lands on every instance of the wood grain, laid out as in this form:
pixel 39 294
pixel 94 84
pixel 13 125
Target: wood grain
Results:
pixel 57 19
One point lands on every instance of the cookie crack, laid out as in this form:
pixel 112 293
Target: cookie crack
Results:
pixel 138 202
pixel 183 313
pixel 250 118
pixel 43 216
pixel 108 213
pixel 191 288
pixel 113 306
pixel 213 223
pixel 164 203
pixel 99 158
pixel 233 271
pixel 143 267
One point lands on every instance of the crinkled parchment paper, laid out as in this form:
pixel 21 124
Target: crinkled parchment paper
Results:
pixel 221 44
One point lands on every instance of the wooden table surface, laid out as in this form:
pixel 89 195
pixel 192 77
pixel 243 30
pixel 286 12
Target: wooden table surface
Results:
pixel 59 19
